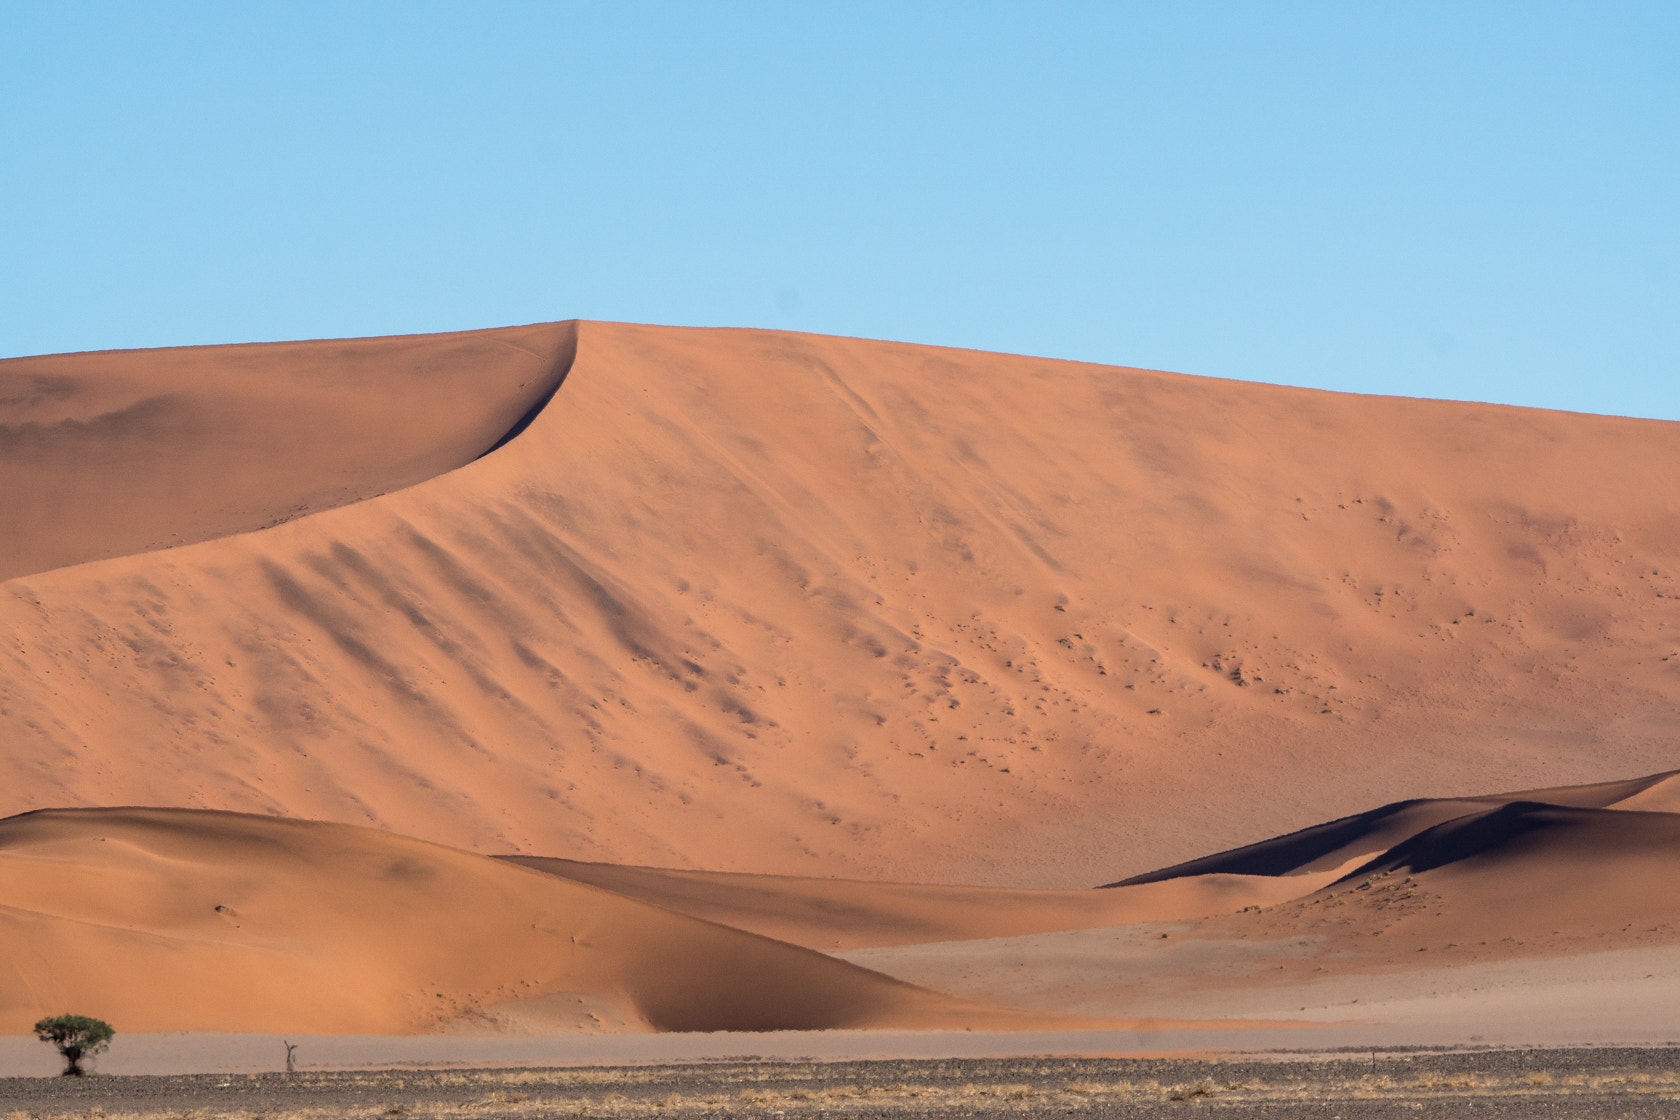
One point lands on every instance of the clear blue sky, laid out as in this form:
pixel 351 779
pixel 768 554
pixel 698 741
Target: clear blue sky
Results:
pixel 1477 201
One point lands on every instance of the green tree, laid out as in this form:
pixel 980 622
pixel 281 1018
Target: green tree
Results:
pixel 77 1037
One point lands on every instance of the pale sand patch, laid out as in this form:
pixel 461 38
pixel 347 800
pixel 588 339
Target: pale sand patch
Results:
pixel 1627 996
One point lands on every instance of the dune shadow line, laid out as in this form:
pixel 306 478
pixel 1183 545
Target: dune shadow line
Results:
pixel 564 357
pixel 1281 855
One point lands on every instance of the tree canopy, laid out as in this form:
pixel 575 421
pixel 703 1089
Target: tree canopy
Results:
pixel 76 1036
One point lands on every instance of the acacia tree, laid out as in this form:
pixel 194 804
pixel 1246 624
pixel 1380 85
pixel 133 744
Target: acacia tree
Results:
pixel 77 1037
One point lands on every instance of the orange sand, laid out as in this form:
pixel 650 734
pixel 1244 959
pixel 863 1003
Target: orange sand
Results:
pixel 753 601
pixel 711 626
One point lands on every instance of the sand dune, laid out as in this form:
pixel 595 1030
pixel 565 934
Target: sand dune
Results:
pixel 1527 871
pixel 1336 843
pixel 754 601
pixel 171 920
pixel 1525 878
pixel 1661 796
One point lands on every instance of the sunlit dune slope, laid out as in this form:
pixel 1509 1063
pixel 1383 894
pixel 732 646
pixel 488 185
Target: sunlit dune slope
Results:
pixel 106 454
pixel 765 602
pixel 831 914
pixel 167 920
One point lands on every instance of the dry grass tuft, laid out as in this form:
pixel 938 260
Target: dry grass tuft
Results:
pixel 1200 1089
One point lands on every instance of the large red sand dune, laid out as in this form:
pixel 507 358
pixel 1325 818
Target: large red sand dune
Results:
pixel 765 602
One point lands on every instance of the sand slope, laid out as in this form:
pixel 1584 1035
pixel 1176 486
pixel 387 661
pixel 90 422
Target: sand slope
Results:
pixel 169 920
pixel 764 602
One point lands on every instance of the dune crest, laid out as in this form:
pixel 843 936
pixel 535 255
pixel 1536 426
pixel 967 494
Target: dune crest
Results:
pixel 118 452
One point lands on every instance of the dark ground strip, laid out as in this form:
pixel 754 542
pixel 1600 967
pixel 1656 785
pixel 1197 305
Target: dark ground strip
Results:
pixel 1495 1085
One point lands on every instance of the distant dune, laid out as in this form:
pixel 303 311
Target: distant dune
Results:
pixel 761 602
pixel 1555 871
pixel 1352 840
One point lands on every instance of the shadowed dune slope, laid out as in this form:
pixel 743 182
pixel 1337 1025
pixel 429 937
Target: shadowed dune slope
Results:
pixel 835 914
pixel 169 920
pixel 106 454
pixel 812 606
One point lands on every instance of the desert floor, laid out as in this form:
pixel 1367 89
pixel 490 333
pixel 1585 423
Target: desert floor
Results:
pixel 1631 1084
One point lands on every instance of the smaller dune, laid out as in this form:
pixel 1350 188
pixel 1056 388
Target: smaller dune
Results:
pixel 1587 869
pixel 1528 866
pixel 1551 871
pixel 1336 843
pixel 1522 879
pixel 184 920
pixel 191 920
pixel 1470 897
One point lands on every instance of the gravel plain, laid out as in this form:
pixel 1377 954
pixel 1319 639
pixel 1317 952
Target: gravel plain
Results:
pixel 1494 1084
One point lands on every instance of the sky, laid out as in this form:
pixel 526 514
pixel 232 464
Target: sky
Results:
pixel 1463 200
